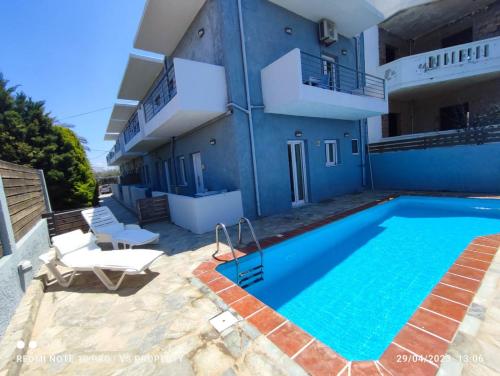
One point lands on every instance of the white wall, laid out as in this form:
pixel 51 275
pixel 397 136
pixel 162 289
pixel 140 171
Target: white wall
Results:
pixel 371 64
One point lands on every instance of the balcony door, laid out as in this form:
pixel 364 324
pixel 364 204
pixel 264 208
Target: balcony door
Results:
pixel 198 173
pixel 297 171
pixel 330 71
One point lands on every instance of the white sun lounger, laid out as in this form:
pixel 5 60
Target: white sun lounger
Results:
pixel 78 252
pixel 105 226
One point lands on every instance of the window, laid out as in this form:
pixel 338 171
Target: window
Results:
pixel 390 53
pixel 355 146
pixel 181 171
pixel 332 153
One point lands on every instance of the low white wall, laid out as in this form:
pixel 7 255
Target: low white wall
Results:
pixel 201 214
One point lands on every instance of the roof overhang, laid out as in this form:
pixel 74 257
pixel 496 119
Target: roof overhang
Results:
pixel 119 117
pixel 140 73
pixel 111 136
pixel 163 24
pixel 412 19
pixel 350 16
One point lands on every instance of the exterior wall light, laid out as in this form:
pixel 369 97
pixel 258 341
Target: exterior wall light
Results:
pixel 347 134
pixel 298 133
pixel 288 30
pixel 201 32
pixel 343 51
pixel 213 141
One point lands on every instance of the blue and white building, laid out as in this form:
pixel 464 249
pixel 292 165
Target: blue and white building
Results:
pixel 268 98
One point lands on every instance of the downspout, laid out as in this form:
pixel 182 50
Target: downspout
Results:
pixel 249 109
pixel 361 122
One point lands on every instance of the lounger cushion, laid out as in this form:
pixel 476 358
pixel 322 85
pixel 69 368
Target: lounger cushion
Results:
pixel 73 241
pixel 130 260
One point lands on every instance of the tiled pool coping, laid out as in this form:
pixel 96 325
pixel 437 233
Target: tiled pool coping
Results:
pixel 419 346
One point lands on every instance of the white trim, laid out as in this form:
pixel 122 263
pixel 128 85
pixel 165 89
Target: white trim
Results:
pixel 182 171
pixel 357 143
pixel 298 202
pixel 331 160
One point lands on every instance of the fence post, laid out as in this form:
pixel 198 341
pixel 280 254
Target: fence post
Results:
pixel 45 191
pixel 6 231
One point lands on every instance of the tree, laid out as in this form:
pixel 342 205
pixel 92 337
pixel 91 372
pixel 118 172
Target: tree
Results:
pixel 28 136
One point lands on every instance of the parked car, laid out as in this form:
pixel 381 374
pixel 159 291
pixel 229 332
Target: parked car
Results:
pixel 103 189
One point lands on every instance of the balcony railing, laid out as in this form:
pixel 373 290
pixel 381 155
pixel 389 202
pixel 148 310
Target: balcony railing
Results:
pixel 161 93
pixel 464 136
pixel 330 75
pixel 469 52
pixel 132 128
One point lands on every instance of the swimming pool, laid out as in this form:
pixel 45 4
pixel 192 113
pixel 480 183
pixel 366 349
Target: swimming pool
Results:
pixel 354 283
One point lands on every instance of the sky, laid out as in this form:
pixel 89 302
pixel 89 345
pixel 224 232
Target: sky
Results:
pixel 72 55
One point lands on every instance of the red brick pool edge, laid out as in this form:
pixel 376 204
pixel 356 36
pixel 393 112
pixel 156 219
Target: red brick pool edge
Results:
pixel 419 346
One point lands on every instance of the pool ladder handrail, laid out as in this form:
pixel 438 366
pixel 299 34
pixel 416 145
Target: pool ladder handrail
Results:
pixel 260 272
pixel 222 226
pixel 252 232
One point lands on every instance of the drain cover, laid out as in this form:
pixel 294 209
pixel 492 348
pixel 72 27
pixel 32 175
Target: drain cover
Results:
pixel 223 321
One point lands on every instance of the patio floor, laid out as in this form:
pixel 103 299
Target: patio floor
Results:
pixel 158 323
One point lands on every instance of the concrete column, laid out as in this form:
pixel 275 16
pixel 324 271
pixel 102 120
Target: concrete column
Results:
pixel 45 191
pixel 6 230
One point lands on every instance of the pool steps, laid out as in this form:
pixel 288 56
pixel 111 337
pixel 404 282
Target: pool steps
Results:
pixel 250 276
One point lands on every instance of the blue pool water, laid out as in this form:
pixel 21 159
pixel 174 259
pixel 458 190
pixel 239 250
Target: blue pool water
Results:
pixel 355 282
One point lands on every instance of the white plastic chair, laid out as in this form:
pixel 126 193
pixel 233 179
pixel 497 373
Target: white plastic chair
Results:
pixel 105 226
pixel 78 252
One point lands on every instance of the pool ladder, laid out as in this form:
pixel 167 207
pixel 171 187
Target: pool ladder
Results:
pixel 250 276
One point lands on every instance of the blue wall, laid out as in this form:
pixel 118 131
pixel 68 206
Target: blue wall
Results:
pixel 228 164
pixel 465 168
pixel 29 247
pixel 267 41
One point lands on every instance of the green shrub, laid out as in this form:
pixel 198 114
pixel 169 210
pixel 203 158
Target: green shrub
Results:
pixel 28 136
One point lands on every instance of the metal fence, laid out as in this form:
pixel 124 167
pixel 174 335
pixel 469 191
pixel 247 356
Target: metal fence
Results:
pixel 330 75
pixel 161 93
pixel 132 128
pixel 466 136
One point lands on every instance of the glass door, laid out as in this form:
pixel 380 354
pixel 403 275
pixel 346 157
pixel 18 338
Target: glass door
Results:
pixel 297 171
pixel 198 173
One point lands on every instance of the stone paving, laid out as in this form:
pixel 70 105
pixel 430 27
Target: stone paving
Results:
pixel 158 323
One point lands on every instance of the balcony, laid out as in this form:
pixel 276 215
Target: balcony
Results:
pixel 114 154
pixel 134 140
pixel 184 97
pixel 300 84
pixel 446 68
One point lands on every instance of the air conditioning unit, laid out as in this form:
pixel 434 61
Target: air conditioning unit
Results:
pixel 327 32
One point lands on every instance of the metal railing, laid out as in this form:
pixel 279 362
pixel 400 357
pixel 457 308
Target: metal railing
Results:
pixel 132 128
pixel 330 75
pixel 466 136
pixel 162 92
pixel 114 150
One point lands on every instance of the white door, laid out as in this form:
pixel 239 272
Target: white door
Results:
pixel 297 170
pixel 167 176
pixel 198 173
pixel 330 71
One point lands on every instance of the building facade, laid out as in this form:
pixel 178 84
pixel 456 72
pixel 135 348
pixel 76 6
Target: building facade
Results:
pixel 248 98
pixel 441 63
